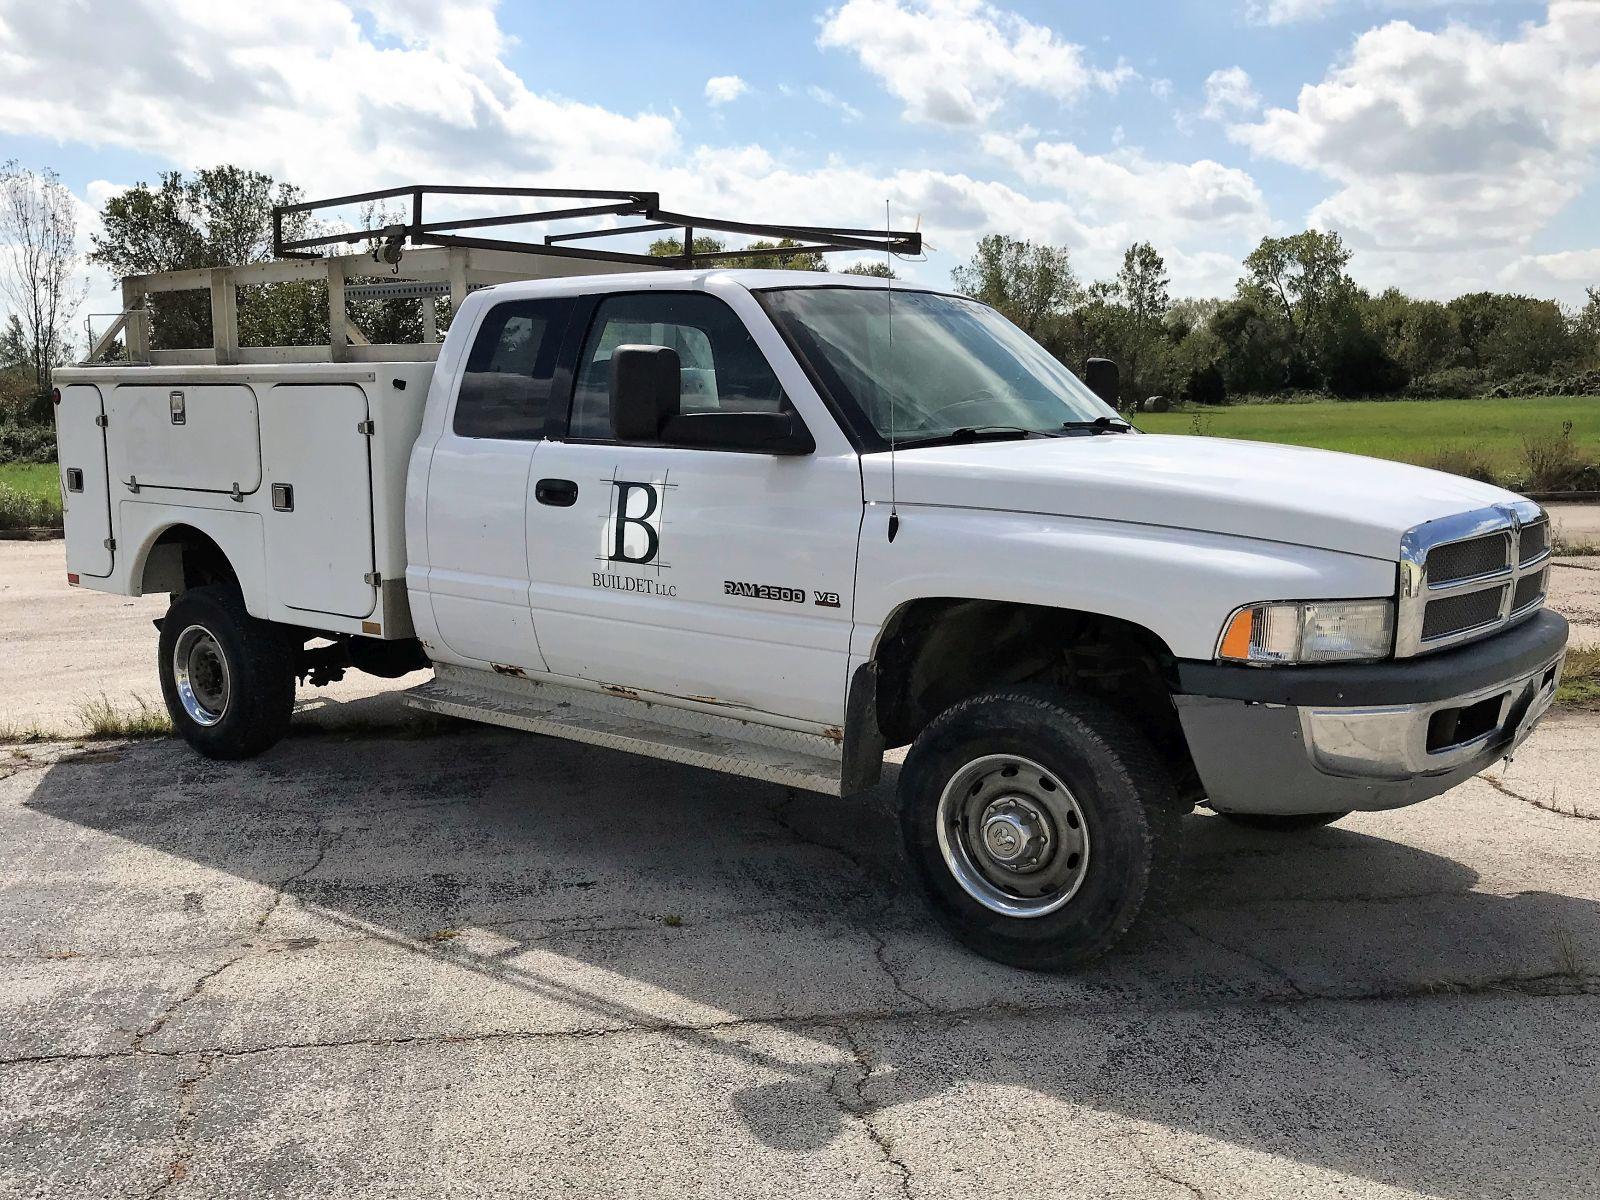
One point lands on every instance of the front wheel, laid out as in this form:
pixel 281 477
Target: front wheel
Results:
pixel 1041 825
pixel 227 677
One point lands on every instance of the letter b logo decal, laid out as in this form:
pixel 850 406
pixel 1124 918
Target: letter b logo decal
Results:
pixel 632 528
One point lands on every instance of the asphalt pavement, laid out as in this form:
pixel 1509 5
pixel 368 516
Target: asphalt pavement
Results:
pixel 384 961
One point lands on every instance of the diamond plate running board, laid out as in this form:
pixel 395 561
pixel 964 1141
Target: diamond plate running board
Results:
pixel 697 739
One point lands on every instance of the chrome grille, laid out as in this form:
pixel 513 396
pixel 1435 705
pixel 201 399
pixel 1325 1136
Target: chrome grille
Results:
pixel 1469 559
pixel 1535 542
pixel 1465 577
pixel 1457 614
pixel 1530 589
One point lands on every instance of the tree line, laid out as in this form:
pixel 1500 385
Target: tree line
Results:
pixel 1297 320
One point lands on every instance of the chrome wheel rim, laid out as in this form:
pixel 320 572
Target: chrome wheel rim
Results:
pixel 1013 835
pixel 200 671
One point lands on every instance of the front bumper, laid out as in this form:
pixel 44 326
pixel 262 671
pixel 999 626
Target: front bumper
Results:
pixel 1315 739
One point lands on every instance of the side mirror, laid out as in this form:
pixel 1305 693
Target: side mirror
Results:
pixel 1104 379
pixel 645 391
pixel 755 432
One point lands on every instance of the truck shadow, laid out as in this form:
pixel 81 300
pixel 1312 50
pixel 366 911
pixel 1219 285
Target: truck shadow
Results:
pixel 1290 1007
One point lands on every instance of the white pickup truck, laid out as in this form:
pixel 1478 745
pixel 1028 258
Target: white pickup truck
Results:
pixel 777 523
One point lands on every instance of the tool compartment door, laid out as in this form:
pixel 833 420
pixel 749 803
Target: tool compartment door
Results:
pixel 320 549
pixel 189 437
pixel 85 490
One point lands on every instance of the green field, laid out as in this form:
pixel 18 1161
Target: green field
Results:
pixel 30 495
pixel 32 479
pixel 1409 430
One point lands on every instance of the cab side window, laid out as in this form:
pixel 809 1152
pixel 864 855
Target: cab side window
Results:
pixel 722 368
pixel 505 389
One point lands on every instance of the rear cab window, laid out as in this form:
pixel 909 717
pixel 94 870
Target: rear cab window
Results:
pixel 505 388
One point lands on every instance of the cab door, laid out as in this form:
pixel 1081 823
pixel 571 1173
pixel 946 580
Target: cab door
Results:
pixel 716 576
pixel 478 485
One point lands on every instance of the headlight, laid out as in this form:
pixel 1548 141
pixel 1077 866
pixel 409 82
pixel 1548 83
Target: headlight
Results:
pixel 1313 631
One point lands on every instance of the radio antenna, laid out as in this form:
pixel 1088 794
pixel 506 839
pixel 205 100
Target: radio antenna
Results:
pixel 888 263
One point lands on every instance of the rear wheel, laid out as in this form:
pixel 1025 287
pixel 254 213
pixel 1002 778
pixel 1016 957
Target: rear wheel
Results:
pixel 1041 825
pixel 1284 822
pixel 227 677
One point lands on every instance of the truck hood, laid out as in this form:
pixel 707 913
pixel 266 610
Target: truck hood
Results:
pixel 1319 498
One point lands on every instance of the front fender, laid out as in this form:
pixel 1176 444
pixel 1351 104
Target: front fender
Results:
pixel 1179 584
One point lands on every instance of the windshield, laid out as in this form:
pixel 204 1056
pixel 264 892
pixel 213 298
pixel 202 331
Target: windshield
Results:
pixel 924 366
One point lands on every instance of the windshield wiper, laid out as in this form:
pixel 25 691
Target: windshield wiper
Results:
pixel 977 433
pixel 1099 425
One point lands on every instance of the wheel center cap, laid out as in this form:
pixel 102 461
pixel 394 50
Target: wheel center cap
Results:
pixel 1013 834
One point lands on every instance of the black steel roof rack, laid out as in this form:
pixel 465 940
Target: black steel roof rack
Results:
pixel 646 206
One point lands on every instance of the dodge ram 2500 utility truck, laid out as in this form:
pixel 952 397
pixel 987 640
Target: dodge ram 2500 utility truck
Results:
pixel 776 523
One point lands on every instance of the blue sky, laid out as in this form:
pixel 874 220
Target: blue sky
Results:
pixel 1453 144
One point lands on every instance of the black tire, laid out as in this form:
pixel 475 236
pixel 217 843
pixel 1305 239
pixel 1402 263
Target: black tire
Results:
pixel 1283 822
pixel 1129 813
pixel 258 695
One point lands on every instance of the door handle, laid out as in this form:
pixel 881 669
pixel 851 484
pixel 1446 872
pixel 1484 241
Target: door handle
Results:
pixel 562 493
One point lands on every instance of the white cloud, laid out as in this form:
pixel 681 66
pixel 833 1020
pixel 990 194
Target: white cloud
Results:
pixel 724 89
pixel 1229 95
pixel 1284 12
pixel 301 90
pixel 824 97
pixel 1448 143
pixel 1201 215
pixel 1288 12
pixel 1542 273
pixel 953 62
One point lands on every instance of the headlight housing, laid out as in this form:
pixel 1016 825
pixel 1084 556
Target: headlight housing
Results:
pixel 1308 631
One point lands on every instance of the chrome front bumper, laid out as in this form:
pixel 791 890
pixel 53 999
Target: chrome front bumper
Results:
pixel 1262 757
pixel 1399 741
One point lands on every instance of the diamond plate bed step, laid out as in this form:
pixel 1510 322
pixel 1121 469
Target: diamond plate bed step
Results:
pixel 697 738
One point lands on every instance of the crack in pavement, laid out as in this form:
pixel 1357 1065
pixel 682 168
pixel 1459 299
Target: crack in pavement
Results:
pixel 1571 814
pixel 880 943
pixel 1271 968
pixel 325 843
pixel 1133 1139
pixel 1548 985
pixel 855 1106
pixel 183 1127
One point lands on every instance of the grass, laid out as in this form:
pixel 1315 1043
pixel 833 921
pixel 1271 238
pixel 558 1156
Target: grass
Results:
pixel 30 495
pixel 101 718
pixel 1418 431
pixel 1580 680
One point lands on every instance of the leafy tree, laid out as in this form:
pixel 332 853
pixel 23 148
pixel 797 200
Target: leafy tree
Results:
pixel 39 273
pixel 1142 284
pixel 1505 334
pixel 876 270
pixel 1032 284
pixel 1254 347
pixel 1586 330
pixel 673 247
pixel 1417 334
pixel 1297 278
pixel 1141 292
pixel 219 217
pixel 1531 336
pixel 709 247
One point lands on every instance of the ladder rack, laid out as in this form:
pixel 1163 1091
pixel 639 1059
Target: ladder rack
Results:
pixel 424 259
